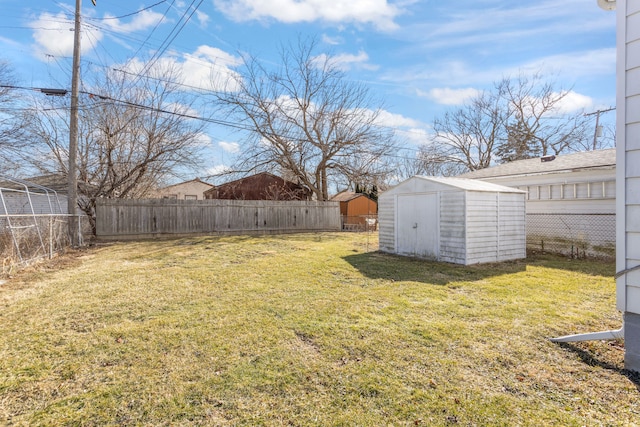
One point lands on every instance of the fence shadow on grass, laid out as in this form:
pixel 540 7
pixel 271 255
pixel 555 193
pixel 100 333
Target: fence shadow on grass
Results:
pixel 378 265
pixel 591 359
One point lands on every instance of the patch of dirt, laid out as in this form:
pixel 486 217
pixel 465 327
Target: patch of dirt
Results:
pixel 25 277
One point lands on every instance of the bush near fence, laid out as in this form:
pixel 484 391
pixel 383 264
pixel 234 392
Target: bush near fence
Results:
pixel 28 238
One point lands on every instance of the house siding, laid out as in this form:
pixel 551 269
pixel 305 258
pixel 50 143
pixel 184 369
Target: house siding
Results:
pixel 628 176
pixel 193 189
pixel 629 149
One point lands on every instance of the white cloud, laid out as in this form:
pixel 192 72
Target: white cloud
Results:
pixel 448 96
pixel 208 68
pixel 229 147
pixel 182 109
pixel 203 140
pixel 218 170
pixel 573 102
pixel 332 40
pixel 140 22
pixel 348 61
pixel 203 18
pixel 380 13
pixel 576 64
pixel 388 119
pixel 53 35
pixel 417 136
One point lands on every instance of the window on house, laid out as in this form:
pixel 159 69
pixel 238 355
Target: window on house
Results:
pixel 190 197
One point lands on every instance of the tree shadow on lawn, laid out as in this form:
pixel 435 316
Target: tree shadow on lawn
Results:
pixel 379 265
pixel 591 359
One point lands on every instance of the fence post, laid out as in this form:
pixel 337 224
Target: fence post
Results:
pixel 50 237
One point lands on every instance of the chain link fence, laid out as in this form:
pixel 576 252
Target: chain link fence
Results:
pixel 25 239
pixel 574 235
pixel 359 223
pixel 28 238
pixel 33 223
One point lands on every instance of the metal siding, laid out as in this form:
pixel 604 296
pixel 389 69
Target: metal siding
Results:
pixel 452 227
pixel 417 228
pixel 386 222
pixel 512 227
pixel 482 227
pixel 469 222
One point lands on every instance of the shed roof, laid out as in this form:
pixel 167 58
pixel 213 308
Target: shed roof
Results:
pixel 347 196
pixel 467 184
pixel 561 163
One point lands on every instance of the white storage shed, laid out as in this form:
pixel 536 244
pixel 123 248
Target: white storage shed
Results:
pixel 456 220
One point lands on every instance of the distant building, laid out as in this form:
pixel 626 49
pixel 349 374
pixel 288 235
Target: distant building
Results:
pixel 261 186
pixel 357 210
pixel 571 199
pixel 188 190
pixel 33 196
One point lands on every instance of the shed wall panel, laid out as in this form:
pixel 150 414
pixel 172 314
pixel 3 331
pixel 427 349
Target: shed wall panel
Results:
pixel 386 223
pixel 452 227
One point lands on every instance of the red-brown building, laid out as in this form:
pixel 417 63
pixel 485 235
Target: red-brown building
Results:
pixel 261 186
pixel 358 211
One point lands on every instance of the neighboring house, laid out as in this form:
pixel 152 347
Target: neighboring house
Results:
pixel 188 190
pixel 261 186
pixel 357 210
pixel 571 206
pixel 456 220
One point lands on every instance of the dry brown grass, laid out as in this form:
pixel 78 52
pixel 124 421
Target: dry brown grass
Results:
pixel 315 329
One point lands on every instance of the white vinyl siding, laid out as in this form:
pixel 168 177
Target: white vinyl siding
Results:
pixel 629 152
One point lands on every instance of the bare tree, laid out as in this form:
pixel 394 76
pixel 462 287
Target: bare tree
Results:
pixel 520 118
pixel 12 120
pixel 469 135
pixel 307 119
pixel 131 136
pixel 537 123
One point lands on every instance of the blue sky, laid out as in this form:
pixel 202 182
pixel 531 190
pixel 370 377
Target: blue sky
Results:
pixel 421 56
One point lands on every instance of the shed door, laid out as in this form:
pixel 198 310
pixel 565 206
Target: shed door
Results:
pixel 418 225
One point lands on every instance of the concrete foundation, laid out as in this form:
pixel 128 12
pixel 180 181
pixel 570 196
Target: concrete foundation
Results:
pixel 632 341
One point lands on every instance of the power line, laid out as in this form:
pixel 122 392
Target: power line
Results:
pixel 169 39
pixel 129 14
pixel 219 122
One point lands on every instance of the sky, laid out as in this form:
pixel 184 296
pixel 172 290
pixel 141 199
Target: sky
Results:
pixel 420 57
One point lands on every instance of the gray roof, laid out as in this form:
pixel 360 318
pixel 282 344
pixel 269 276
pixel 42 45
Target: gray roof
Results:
pixel 562 163
pixel 470 184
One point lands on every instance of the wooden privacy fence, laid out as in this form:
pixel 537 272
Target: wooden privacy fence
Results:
pixel 134 219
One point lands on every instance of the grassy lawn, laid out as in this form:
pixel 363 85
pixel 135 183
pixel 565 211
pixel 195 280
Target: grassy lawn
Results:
pixel 313 329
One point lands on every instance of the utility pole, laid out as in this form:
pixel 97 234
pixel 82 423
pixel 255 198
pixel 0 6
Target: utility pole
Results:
pixel 72 178
pixel 595 132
